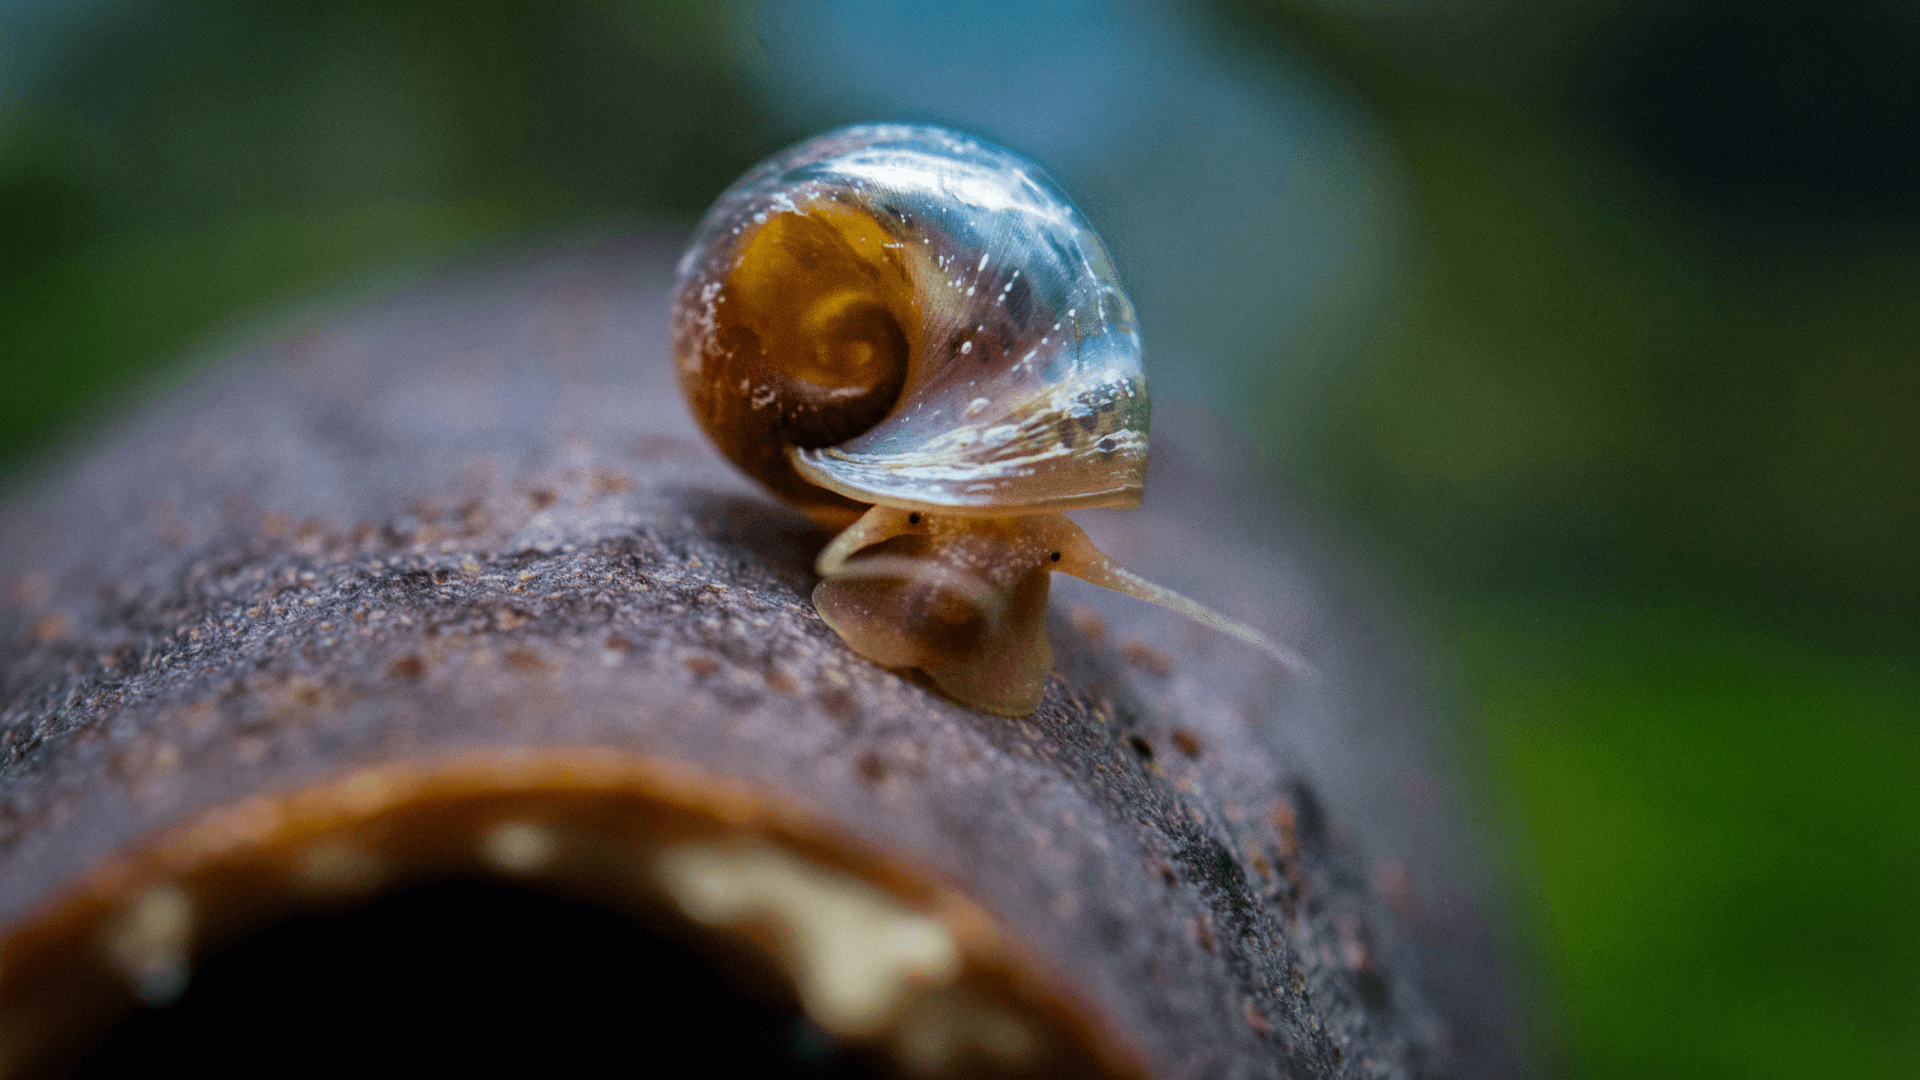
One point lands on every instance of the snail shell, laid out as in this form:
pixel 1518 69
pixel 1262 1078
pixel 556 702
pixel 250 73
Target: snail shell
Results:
pixel 911 335
pixel 923 320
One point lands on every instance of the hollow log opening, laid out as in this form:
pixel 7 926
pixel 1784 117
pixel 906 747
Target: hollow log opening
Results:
pixel 543 907
pixel 467 974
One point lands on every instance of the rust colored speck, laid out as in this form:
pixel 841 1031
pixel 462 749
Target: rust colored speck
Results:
pixel 1146 658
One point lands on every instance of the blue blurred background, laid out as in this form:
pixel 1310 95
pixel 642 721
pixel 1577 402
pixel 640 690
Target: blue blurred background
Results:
pixel 1596 324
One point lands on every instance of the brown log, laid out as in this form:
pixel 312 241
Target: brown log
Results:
pixel 448 588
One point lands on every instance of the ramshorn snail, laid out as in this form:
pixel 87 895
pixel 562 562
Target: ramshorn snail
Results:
pixel 912 336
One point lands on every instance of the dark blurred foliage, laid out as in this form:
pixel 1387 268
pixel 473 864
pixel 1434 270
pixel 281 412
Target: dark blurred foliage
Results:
pixel 1599 323
pixel 176 163
pixel 1644 436
pixel 1666 329
pixel 1785 109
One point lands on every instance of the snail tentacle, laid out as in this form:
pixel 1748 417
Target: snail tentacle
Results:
pixel 1082 560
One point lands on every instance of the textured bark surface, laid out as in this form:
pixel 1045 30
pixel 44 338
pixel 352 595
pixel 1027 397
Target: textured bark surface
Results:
pixel 474 517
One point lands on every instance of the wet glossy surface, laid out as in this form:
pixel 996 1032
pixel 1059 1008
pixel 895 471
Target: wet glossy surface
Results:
pixel 1022 386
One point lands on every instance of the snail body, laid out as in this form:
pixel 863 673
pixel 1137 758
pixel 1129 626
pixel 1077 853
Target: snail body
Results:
pixel 912 336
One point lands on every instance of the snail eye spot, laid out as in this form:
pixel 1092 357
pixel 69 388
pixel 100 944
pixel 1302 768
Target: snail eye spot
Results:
pixel 1055 556
pixel 914 519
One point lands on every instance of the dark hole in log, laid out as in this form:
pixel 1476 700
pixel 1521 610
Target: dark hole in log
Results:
pixel 465 975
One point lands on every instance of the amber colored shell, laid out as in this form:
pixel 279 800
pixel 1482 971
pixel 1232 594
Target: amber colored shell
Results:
pixel 905 316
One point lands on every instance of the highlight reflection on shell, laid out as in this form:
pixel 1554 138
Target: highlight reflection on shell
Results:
pixel 904 316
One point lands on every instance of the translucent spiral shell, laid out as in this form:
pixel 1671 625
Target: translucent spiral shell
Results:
pixel 911 335
pixel 904 316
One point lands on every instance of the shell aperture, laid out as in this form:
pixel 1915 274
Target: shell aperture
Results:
pixel 1021 383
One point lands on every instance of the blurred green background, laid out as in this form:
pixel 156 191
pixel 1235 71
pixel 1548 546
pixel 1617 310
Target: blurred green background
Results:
pixel 1598 322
